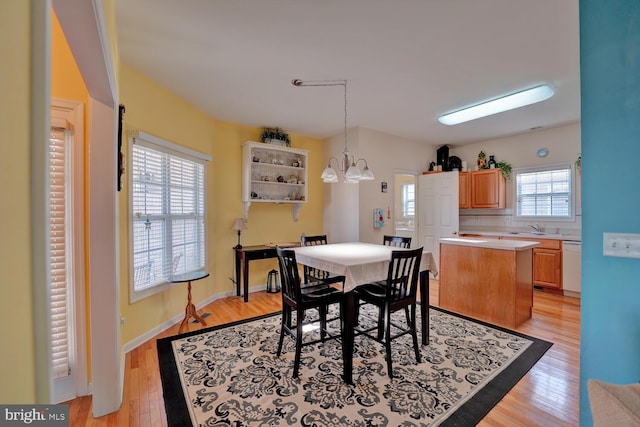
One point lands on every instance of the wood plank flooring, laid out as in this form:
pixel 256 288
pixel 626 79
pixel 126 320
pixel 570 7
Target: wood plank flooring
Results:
pixel 546 396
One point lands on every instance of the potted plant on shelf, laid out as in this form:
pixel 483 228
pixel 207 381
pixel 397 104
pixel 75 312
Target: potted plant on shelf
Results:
pixel 275 136
pixel 505 168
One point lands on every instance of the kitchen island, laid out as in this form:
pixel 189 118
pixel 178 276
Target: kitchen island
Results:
pixel 487 279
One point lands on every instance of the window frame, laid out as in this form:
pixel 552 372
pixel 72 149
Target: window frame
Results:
pixel 406 201
pixel 142 139
pixel 546 168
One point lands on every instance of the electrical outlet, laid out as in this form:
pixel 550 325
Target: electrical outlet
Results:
pixel 122 320
pixel 624 245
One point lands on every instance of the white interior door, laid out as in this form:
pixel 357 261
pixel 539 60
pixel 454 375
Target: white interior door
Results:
pixel 438 209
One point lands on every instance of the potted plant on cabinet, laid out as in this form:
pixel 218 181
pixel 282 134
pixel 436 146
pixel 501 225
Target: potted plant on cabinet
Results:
pixel 505 168
pixel 275 136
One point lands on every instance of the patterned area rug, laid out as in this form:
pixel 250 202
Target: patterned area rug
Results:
pixel 230 375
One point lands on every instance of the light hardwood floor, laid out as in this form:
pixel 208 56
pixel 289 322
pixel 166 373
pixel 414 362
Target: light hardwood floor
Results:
pixel 546 396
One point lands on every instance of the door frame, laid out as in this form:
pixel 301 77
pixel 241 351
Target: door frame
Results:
pixel 73 112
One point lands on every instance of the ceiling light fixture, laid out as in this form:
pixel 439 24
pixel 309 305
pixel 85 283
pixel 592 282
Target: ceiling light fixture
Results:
pixel 350 172
pixel 498 105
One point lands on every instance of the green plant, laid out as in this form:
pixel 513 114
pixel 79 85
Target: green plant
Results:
pixel 579 163
pixel 505 168
pixel 275 133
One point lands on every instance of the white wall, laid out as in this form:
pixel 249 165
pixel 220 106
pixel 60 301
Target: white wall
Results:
pixel 348 208
pixel 340 216
pixel 520 150
pixel 386 154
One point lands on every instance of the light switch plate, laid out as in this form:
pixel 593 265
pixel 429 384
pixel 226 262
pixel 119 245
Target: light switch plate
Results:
pixel 624 245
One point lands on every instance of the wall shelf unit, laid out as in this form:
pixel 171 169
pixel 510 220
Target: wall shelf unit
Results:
pixel 273 174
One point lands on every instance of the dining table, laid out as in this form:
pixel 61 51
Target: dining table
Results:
pixel 362 263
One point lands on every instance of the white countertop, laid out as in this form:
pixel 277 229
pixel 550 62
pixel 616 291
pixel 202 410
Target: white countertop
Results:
pixel 526 235
pixel 502 244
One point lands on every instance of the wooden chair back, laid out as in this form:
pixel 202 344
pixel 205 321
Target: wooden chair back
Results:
pixel 397 241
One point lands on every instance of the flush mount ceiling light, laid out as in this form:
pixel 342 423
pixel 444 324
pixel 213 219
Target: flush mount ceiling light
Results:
pixel 498 105
pixel 350 172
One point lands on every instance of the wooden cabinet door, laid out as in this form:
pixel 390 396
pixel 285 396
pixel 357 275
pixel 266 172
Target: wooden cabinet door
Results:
pixel 488 189
pixel 465 191
pixel 547 268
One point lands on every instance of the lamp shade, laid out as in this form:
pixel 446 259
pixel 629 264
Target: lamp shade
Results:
pixel 238 224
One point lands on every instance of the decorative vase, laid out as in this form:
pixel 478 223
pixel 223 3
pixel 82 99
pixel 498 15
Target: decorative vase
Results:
pixel 482 161
pixel 492 162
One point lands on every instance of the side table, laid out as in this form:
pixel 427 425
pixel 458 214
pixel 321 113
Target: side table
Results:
pixel 190 310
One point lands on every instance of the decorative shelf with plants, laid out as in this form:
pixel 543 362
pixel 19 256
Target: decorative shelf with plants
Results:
pixel 273 174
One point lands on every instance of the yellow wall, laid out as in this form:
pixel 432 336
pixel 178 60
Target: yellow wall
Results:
pixel 17 367
pixel 152 109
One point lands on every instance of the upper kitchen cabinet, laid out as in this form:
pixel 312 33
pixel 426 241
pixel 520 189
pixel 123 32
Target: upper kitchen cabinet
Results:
pixel 488 189
pixel 464 195
pixel 273 174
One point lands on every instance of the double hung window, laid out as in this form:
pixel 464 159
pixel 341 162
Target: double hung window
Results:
pixel 168 214
pixel 545 193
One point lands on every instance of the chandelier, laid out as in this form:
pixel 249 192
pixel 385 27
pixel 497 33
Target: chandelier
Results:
pixel 351 173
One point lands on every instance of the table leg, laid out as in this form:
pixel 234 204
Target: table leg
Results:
pixel 237 254
pixel 245 278
pixel 189 311
pixel 348 314
pixel 424 305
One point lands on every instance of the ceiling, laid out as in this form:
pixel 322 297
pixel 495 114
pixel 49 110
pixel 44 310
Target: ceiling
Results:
pixel 405 61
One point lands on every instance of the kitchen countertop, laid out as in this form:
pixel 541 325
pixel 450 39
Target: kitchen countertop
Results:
pixel 525 235
pixel 502 244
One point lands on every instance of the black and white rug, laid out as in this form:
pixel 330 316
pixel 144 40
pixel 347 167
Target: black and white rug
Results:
pixel 230 375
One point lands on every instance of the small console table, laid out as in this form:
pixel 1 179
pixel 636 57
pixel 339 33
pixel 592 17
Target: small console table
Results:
pixel 250 253
pixel 190 310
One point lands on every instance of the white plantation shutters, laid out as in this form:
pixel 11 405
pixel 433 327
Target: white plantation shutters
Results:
pixel 168 212
pixel 544 193
pixel 59 241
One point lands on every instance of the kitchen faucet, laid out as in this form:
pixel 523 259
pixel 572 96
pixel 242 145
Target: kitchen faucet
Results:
pixel 537 227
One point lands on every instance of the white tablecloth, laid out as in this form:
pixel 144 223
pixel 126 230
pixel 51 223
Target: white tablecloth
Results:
pixel 359 262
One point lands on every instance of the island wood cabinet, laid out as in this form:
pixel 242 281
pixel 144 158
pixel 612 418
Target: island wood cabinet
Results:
pixel 547 260
pixel 273 174
pixel 488 189
pixel 487 282
pixel 464 190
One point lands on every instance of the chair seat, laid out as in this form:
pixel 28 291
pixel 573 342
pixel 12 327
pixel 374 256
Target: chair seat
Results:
pixel 375 291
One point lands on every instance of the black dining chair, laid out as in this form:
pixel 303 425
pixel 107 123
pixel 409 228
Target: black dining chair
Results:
pixel 315 276
pixel 397 241
pixel 397 292
pixel 294 300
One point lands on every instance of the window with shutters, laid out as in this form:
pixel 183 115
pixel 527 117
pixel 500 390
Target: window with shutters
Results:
pixel 544 193
pixel 60 238
pixel 168 214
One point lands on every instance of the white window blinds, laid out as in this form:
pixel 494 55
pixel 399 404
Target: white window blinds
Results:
pixel 59 240
pixel 168 213
pixel 544 193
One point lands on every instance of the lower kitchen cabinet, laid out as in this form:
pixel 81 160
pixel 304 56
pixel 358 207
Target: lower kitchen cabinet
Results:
pixel 547 268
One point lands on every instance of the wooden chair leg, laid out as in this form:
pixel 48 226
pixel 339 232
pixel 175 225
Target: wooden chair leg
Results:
pixel 387 345
pixel 414 334
pixel 296 363
pixel 323 322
